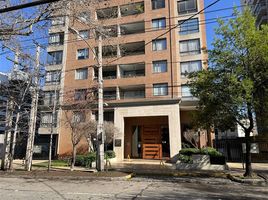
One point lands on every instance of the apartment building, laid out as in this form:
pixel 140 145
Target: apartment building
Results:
pixel 259 9
pixel 152 46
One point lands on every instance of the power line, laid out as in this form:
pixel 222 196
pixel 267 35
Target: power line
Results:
pixel 26 5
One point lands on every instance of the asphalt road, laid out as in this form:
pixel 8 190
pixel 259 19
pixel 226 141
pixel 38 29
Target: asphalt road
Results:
pixel 136 188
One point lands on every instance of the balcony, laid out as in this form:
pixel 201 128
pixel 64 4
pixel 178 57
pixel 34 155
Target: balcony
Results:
pixel 132 70
pixel 109 72
pixel 132 9
pixel 132 92
pixel 132 28
pixel 108 51
pixel 134 48
pixel 107 13
pixel 109 94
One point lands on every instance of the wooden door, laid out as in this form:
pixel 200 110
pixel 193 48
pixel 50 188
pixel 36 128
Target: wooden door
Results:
pixel 151 142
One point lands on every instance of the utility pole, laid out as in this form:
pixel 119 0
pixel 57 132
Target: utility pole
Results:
pixel 100 129
pixel 55 101
pixel 33 114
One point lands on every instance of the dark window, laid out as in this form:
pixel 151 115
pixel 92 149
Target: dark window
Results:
pixel 189 26
pixel 159 23
pixel 187 6
pixel 54 58
pixel 157 4
pixel 80 94
pixel 160 66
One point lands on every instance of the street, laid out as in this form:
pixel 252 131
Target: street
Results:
pixel 136 188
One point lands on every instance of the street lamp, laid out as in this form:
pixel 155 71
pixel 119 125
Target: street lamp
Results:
pixel 100 129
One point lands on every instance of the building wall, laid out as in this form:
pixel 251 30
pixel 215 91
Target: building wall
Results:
pixel 172 54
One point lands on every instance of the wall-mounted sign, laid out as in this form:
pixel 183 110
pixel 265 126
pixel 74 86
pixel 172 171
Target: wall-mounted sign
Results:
pixel 254 148
pixel 117 143
pixel 37 149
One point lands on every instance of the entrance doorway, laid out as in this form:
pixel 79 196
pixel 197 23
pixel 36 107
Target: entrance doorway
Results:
pixel 147 138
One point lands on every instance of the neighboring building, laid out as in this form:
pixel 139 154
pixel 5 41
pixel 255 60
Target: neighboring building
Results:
pixel 3 80
pixel 144 78
pixel 259 9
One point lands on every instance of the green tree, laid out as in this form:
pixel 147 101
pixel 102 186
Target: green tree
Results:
pixel 231 91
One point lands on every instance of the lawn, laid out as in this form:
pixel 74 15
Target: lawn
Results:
pixel 54 163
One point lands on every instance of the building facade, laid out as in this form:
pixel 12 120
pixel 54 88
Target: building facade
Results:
pixel 259 9
pixel 152 45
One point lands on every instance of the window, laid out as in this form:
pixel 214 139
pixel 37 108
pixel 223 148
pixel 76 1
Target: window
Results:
pixel 157 4
pixel 188 67
pixel 80 94
pixel 81 74
pixel 159 23
pixel 57 21
pixel 84 16
pixel 46 119
pixel 49 97
pixel 189 26
pixel 82 54
pixel 53 77
pixel 160 44
pixel 56 38
pixel 160 66
pixel 160 89
pixel 79 117
pixel 83 34
pixel 185 91
pixel 187 6
pixel 190 47
pixel 54 58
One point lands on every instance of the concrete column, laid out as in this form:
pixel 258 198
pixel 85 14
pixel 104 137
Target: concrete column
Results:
pixel 174 131
pixel 117 93
pixel 119 123
pixel 118 71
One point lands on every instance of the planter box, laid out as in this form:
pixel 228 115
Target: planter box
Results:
pixel 201 159
pixel 217 160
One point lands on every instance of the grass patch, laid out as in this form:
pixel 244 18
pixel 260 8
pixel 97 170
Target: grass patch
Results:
pixel 54 163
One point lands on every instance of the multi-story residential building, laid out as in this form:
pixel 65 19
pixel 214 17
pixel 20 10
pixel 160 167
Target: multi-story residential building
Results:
pixel 259 9
pixel 145 63
pixel 3 80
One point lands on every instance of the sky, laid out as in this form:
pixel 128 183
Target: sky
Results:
pixel 211 14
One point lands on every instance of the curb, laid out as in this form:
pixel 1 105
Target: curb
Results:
pixel 260 182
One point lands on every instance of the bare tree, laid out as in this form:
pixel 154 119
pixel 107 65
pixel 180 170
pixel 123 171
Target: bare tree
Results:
pixel 192 137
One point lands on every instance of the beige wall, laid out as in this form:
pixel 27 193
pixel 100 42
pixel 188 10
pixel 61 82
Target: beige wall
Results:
pixel 171 111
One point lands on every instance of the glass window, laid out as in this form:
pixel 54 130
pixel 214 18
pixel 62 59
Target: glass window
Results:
pixel 190 47
pixel 79 117
pixel 185 91
pixel 188 26
pixel 56 38
pixel 81 74
pixel 46 119
pixel 160 89
pixel 57 21
pixel 190 66
pixel 157 4
pixel 160 66
pixel 53 77
pixel 82 54
pixel 160 44
pixel 159 23
pixel 54 58
pixel 187 6
pixel 80 94
pixel 83 34
pixel 49 97
pixel 84 16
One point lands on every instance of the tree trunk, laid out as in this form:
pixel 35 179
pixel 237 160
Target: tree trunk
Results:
pixel 9 121
pixel 14 140
pixel 73 157
pixel 248 172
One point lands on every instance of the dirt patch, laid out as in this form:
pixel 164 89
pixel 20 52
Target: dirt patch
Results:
pixel 63 174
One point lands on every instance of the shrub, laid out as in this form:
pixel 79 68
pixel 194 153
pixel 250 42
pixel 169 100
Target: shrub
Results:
pixel 109 154
pixel 86 160
pixel 189 151
pixel 210 151
pixel 185 158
